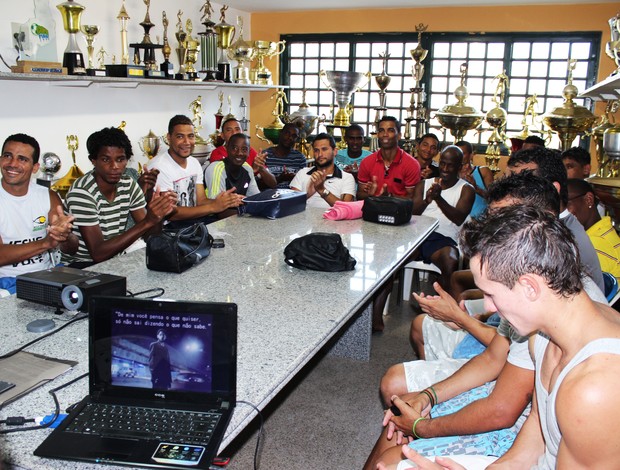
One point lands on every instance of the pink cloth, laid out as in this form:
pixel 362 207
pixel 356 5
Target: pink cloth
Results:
pixel 345 211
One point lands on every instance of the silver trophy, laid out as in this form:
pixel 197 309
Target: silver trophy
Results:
pixel 344 84
pixel 50 165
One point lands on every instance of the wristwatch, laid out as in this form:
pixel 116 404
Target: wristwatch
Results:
pixel 325 193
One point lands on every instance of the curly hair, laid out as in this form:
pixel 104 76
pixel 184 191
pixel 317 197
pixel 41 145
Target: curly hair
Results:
pixel 108 137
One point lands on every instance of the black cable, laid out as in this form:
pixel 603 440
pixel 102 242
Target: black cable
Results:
pixel 160 291
pixel 52 392
pixel 60 328
pixel 260 431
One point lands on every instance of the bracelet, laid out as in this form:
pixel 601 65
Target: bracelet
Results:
pixel 415 423
pixel 432 389
pixel 431 399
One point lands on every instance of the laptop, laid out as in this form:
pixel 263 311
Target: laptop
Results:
pixel 162 385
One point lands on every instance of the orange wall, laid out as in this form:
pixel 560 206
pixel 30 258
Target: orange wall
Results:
pixel 547 18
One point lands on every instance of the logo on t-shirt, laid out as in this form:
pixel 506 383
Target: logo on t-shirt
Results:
pixel 186 189
pixel 40 223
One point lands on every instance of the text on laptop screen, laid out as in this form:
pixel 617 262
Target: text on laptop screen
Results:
pixel 162 351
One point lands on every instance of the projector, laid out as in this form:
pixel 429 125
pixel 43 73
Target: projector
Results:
pixel 68 288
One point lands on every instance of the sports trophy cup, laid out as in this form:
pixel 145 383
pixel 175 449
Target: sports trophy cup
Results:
pixel 181 49
pixel 598 133
pixel 343 84
pixel 208 44
pixel 417 111
pixel 63 184
pixel 496 118
pixel 90 31
pixel 271 133
pixel 612 48
pixel 459 117
pixel 382 80
pixel 193 47
pixel 166 65
pixel 148 59
pixel 261 75
pixel 73 58
pixel 123 18
pixel 50 165
pixel 569 119
pixel 149 144
pixel 243 53
pixel 225 36
pixel 307 121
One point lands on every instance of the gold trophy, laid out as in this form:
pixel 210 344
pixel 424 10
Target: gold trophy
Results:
pixel 496 118
pixel 612 48
pixel 271 133
pixel 149 144
pixel 166 65
pixel 598 133
pixel 123 18
pixel 343 84
pixel 63 185
pixel 181 49
pixel 90 31
pixel 459 117
pixel 225 35
pixel 242 52
pixel 73 58
pixel 193 47
pixel 261 75
pixel 148 59
pixel 569 119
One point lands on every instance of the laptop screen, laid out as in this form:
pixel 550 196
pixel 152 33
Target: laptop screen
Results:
pixel 153 348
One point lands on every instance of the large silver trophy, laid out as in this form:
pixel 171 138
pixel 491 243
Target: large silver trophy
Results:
pixel 344 84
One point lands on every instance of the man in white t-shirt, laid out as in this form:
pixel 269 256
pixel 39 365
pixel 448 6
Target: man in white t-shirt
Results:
pixel 182 173
pixel 33 225
pixel 324 183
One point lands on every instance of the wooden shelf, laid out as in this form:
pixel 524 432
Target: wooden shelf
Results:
pixel 116 82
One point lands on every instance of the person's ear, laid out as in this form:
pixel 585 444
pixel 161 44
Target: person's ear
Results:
pixel 590 200
pixel 586 170
pixel 557 186
pixel 530 286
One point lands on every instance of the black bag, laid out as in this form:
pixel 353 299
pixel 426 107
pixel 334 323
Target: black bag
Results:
pixel 387 210
pixel 274 203
pixel 176 250
pixel 319 252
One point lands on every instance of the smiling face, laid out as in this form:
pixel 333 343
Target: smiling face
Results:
pixel 17 167
pixel 110 164
pixel 181 141
pixel 427 149
pixel 450 164
pixel 238 149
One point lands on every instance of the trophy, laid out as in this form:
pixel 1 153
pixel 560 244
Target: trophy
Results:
pixel 459 117
pixel 73 58
pixel 50 164
pixel 242 52
pixel 569 119
pixel 149 144
pixel 243 109
pixel 225 36
pixel 90 31
pixel 166 65
pixel 271 132
pixel 382 80
pixel 123 18
pixel 181 49
pixel 343 84
pixel 192 47
pixel 598 133
pixel 63 184
pixel 306 120
pixel 261 75
pixel 208 44
pixel 219 115
pixel 152 71
pixel 417 111
pixel 612 48
pixel 496 117
pixel 124 69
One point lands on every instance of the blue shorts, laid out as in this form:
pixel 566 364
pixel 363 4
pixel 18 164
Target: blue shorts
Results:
pixel 434 242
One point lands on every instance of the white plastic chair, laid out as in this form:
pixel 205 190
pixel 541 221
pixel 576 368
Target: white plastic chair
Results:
pixel 408 271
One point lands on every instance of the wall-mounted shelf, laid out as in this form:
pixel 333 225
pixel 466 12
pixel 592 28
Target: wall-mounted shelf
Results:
pixel 115 82
pixel 608 89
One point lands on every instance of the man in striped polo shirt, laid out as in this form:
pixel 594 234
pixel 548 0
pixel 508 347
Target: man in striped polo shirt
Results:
pixel 103 199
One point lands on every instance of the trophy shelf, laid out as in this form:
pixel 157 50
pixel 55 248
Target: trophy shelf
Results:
pixel 117 82
pixel 608 89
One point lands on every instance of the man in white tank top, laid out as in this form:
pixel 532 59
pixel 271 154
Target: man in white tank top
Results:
pixel 33 225
pixel 449 199
pixel 526 263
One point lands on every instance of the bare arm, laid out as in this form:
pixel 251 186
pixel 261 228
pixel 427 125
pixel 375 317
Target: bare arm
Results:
pixel 419 203
pixel 459 213
pixel 259 167
pixel 146 220
pixel 204 206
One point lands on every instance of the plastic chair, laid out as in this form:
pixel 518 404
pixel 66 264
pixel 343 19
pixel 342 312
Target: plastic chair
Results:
pixel 409 269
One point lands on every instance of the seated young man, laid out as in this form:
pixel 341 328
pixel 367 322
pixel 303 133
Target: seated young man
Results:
pixel 449 199
pixel 527 264
pixel 235 172
pixel 33 225
pixel 182 173
pixel 283 161
pixel 103 199
pixel 324 183
pixel 350 158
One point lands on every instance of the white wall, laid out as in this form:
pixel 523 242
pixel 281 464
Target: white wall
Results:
pixel 50 112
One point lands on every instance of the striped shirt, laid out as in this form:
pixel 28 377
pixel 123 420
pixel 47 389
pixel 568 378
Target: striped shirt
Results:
pixel 292 163
pixel 90 207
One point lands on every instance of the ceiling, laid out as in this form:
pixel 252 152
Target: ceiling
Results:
pixel 279 5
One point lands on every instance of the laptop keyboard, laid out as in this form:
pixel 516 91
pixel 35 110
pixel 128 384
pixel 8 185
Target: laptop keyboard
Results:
pixel 177 427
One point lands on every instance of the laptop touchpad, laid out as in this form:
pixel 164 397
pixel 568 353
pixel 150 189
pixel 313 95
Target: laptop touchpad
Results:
pixel 113 449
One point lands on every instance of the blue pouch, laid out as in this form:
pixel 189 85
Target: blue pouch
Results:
pixel 274 203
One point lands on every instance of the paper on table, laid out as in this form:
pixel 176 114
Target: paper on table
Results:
pixel 29 371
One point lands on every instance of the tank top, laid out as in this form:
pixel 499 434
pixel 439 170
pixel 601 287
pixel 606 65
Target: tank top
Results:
pixel 451 196
pixel 546 401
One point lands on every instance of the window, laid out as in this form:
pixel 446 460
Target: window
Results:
pixel 536 64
